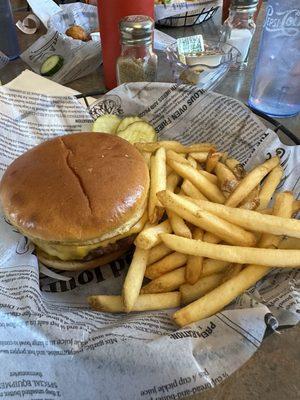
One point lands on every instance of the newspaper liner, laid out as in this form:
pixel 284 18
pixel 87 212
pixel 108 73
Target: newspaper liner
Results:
pixel 52 345
pixel 3 60
pixel 80 58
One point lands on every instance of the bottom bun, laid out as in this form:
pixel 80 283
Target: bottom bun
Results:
pixel 77 265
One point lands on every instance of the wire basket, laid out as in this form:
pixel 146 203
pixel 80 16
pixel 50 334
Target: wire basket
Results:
pixel 189 18
pixel 273 123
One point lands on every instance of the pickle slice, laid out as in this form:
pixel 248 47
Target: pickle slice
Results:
pixel 51 65
pixel 139 131
pixel 107 123
pixel 126 122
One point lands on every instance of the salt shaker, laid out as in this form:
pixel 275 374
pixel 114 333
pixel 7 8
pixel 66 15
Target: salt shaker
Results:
pixel 239 27
pixel 137 62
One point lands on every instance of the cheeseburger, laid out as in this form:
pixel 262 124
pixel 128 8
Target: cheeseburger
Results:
pixel 80 198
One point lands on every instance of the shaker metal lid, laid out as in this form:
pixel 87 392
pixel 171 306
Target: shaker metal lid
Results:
pixel 136 28
pixel 247 4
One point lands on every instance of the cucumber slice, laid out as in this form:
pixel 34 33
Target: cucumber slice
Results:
pixel 107 123
pixel 139 131
pixel 51 65
pixel 126 122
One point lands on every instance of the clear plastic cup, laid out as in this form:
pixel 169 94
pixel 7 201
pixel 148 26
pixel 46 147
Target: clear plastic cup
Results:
pixel 275 87
pixel 8 36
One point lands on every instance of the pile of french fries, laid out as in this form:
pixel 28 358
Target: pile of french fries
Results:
pixel 210 235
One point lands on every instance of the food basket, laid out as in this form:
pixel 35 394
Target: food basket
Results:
pixel 78 57
pixel 49 315
pixel 286 135
pixel 188 13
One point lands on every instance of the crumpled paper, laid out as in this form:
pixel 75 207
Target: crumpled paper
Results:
pixel 80 58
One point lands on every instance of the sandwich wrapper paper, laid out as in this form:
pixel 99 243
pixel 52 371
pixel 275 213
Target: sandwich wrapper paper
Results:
pixel 80 58
pixel 51 344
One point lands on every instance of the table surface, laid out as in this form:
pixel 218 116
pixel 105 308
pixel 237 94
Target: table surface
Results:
pixel 273 372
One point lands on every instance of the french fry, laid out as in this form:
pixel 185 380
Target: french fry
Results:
pixel 236 167
pixel 269 186
pixel 250 181
pixel 180 158
pixel 296 206
pixel 211 266
pixel 233 254
pixel 176 146
pixel 168 169
pixel 191 190
pixel 209 222
pixel 145 302
pixel 210 190
pixel 224 156
pixel 134 278
pixel 190 293
pixel 149 237
pixel 283 207
pixel 200 156
pixel 194 264
pixel 267 211
pixel 212 161
pixel 218 298
pixel 192 161
pixel 166 283
pixel 290 243
pixel 252 201
pixel 226 231
pixel 178 225
pixel 284 204
pixel 226 178
pixel 147 157
pixel 211 238
pixel 211 177
pixel 166 264
pixel 158 174
pixel 173 181
pixel 232 270
pixel 172 155
pixel 251 220
pixel 157 253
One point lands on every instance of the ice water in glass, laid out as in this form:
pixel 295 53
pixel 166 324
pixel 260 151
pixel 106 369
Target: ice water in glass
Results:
pixel 8 35
pixel 275 87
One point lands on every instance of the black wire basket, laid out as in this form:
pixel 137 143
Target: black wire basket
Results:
pixel 273 123
pixel 189 18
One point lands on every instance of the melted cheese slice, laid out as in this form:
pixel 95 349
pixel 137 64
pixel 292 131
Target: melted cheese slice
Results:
pixel 75 252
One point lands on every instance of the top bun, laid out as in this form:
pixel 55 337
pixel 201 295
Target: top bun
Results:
pixel 76 188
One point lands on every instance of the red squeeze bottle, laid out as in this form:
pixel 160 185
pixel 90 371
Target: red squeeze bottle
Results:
pixel 110 13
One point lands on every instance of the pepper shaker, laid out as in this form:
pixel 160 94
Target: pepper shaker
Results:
pixel 110 14
pixel 137 62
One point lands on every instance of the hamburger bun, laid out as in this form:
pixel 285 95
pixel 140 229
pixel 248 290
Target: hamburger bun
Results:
pixel 81 189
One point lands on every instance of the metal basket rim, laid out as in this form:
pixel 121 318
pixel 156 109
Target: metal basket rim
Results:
pixel 277 125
